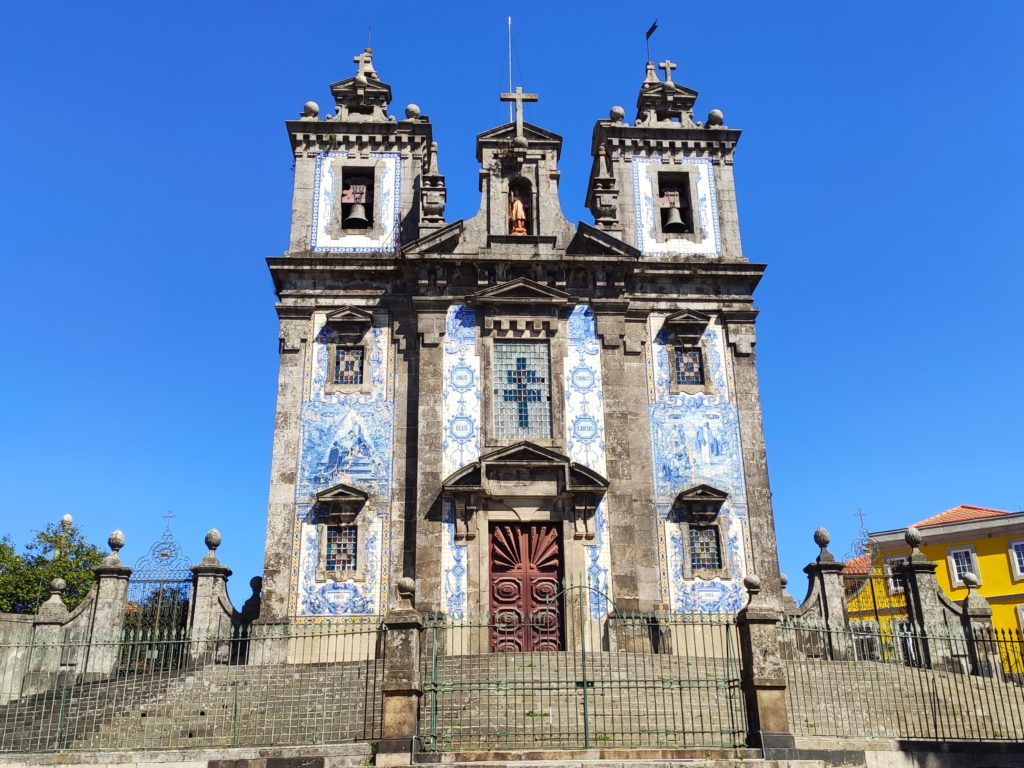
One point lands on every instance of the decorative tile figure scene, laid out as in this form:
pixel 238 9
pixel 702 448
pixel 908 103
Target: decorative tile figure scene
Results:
pixel 645 186
pixel 327 236
pixel 460 415
pixel 696 439
pixel 522 390
pixel 584 438
pixel 345 438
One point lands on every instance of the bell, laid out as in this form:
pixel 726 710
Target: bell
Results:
pixel 673 221
pixel 356 218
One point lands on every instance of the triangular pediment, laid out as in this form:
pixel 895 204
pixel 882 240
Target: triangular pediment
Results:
pixel 348 314
pixel 522 290
pixel 508 131
pixel 702 493
pixel 582 477
pixel 342 494
pixel 687 325
pixel 441 241
pixel 356 84
pixel 522 453
pixel 591 240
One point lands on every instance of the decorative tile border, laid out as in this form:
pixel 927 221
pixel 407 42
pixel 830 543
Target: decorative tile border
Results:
pixel 460 445
pixel 696 439
pixel 388 194
pixel 345 437
pixel 644 182
pixel 584 438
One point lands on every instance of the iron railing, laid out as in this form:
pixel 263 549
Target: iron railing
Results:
pixel 900 683
pixel 149 689
pixel 620 680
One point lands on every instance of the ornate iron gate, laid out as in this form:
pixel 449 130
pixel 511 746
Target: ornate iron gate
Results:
pixel 617 680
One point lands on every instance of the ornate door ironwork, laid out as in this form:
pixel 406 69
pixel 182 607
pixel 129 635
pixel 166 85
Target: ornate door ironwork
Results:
pixel 526 570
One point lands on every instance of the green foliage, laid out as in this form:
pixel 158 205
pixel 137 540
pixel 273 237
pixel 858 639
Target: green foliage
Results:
pixel 57 551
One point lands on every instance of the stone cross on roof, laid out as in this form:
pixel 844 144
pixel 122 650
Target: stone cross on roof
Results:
pixel 667 66
pixel 519 97
pixel 364 62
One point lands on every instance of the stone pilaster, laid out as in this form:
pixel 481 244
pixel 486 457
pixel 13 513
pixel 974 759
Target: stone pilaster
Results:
pixel 755 460
pixel 632 518
pixel 111 596
pixel 402 685
pixel 47 640
pixel 764 679
pixel 210 619
pixel 284 471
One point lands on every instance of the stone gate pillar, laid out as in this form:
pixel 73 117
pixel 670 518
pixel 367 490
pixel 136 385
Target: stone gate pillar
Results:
pixel 108 613
pixel 927 606
pixel 210 618
pixel 825 584
pixel 982 641
pixel 764 680
pixel 402 684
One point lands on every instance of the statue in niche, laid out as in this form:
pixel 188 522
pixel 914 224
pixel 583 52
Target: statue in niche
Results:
pixel 516 215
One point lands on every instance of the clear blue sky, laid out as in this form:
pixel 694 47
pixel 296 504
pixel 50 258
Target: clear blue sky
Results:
pixel 146 174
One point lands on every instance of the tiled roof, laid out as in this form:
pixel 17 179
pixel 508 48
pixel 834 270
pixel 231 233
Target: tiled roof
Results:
pixel 858 564
pixel 961 514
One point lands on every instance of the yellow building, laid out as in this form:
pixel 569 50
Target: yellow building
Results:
pixel 986 542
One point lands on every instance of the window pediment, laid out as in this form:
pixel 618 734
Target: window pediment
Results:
pixel 687 326
pixel 701 502
pixel 347 325
pixel 520 292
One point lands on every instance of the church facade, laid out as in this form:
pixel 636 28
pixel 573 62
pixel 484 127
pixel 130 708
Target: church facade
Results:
pixel 500 405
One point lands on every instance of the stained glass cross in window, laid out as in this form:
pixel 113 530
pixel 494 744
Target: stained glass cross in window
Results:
pixel 521 378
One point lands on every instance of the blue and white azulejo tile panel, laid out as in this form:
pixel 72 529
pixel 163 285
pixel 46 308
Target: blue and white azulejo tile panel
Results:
pixel 696 439
pixel 645 185
pixel 326 195
pixel 345 438
pixel 460 445
pixel 584 438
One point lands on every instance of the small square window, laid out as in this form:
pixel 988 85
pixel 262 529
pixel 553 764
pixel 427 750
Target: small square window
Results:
pixel 705 553
pixel 894 581
pixel 688 366
pixel 348 365
pixel 342 547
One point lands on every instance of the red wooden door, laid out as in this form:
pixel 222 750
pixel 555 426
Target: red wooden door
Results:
pixel 526 570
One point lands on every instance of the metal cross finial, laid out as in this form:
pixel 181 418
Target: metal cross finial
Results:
pixel 519 97
pixel 668 66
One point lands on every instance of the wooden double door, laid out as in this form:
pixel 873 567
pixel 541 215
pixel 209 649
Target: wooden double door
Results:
pixel 525 590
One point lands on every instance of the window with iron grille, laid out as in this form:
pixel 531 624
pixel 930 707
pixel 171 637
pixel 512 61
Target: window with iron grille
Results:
pixel 705 553
pixel 348 365
pixel 688 366
pixel 895 583
pixel 342 546
pixel 521 390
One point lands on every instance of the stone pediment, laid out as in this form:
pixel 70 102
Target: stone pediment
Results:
pixel 508 132
pixel 525 468
pixel 700 501
pixel 342 494
pixel 592 241
pixel 348 324
pixel 687 325
pixel 523 291
pixel 441 241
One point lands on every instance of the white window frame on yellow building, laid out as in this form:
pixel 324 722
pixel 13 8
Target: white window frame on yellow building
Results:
pixel 1015 568
pixel 954 577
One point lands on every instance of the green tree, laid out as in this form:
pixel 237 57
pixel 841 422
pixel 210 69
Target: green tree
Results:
pixel 58 551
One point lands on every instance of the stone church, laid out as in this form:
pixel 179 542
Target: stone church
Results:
pixel 500 405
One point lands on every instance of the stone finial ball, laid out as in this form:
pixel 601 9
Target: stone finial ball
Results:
pixel 783 580
pixel 406 586
pixel 716 117
pixel 212 538
pixel 66 521
pixel 912 537
pixel 822 537
pixel 971 580
pixel 311 108
pixel 752 582
pixel 617 113
pixel 58 585
pixel 412 111
pixel 115 540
